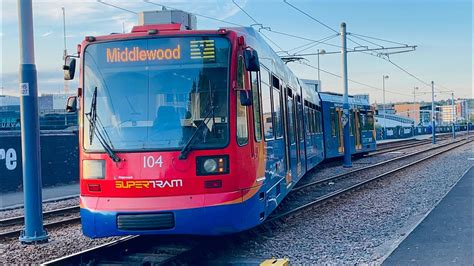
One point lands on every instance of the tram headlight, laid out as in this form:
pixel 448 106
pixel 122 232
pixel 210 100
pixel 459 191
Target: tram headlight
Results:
pixel 212 165
pixel 93 169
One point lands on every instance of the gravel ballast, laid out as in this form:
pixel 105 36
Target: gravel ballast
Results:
pixel 363 226
pixel 359 228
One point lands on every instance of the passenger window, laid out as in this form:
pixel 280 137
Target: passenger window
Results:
pixel 332 116
pixel 370 120
pixel 256 106
pixel 307 119
pixel 242 130
pixel 320 122
pixel 291 125
pixel 277 120
pixel 267 111
pixel 240 73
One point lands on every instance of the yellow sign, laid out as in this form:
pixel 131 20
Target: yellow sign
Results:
pixel 137 54
pixel 203 49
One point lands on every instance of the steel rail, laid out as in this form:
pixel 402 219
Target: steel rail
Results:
pixel 357 185
pixel 126 242
pixel 339 176
pixel 47 225
pixel 56 212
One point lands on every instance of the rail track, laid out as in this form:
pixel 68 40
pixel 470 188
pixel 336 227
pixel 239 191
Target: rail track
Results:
pixel 409 143
pixel 53 218
pixel 176 250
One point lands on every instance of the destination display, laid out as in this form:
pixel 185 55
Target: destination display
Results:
pixel 160 51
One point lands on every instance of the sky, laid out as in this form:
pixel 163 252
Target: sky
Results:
pixel 441 30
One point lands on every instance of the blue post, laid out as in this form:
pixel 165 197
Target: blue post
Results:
pixel 433 115
pixel 345 105
pixel 30 138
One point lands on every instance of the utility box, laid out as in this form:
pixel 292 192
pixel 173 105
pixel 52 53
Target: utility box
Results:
pixel 187 20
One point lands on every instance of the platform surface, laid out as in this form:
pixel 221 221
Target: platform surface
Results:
pixel 14 199
pixel 445 236
pixel 419 137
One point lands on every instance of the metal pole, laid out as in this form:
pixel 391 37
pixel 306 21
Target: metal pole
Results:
pixel 319 74
pixel 345 106
pixel 384 118
pixel 453 114
pixel 414 107
pixel 30 137
pixel 433 115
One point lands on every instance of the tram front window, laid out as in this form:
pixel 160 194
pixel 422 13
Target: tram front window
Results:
pixel 153 94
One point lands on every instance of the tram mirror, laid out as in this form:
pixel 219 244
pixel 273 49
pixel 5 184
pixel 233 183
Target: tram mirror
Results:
pixel 245 99
pixel 69 68
pixel 251 60
pixel 71 105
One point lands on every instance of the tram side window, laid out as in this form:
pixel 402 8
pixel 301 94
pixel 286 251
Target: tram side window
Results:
pixel 256 106
pixel 267 111
pixel 307 115
pixel 242 130
pixel 277 118
pixel 370 121
pixel 332 116
pixel 299 114
pixel 291 124
pixel 318 122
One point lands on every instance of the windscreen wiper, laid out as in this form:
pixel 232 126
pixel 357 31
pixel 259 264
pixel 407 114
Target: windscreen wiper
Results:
pixel 183 155
pixel 93 121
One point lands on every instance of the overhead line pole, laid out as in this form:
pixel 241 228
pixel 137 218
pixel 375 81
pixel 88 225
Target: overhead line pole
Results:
pixel 433 115
pixel 30 136
pixel 453 114
pixel 345 105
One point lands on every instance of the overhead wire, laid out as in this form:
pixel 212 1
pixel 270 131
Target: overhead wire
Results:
pixel 121 8
pixel 309 16
pixel 351 80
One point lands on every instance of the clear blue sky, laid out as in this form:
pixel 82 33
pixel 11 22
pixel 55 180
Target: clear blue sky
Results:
pixel 442 30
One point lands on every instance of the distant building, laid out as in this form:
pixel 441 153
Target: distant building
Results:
pixel 408 110
pixel 448 113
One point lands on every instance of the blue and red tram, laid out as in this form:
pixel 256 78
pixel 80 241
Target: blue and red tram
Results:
pixel 193 132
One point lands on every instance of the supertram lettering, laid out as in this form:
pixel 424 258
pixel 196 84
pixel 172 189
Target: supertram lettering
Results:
pixel 140 184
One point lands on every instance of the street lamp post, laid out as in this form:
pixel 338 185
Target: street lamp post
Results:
pixel 384 77
pixel 319 72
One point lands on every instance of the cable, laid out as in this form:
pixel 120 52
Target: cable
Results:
pixel 199 15
pixel 274 43
pixel 248 15
pixel 121 8
pixel 311 17
pixel 313 44
pixel 365 40
pixel 353 81
pixel 378 39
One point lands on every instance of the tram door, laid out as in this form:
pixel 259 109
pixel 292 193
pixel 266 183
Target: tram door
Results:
pixel 300 136
pixel 357 135
pixel 339 130
pixel 292 134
